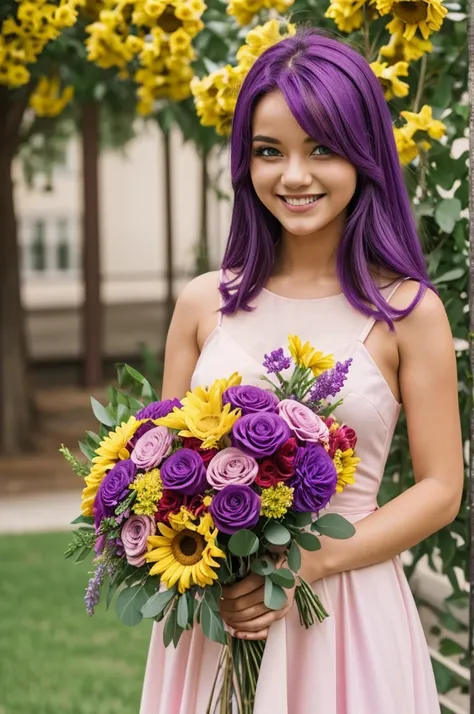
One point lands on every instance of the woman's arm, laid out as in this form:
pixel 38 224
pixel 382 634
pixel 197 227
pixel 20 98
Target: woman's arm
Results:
pixel 428 384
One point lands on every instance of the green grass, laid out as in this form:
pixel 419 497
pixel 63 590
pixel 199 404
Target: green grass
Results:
pixel 54 658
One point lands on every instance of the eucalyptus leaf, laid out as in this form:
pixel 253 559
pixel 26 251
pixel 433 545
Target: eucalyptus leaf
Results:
pixel 243 543
pixel 89 520
pixel 170 626
pixel 129 605
pixel 274 596
pixel 212 625
pixel 157 603
pixel 101 413
pixel 262 566
pixel 276 533
pixel 447 212
pixel 308 541
pixel 294 557
pixel 182 611
pixel 334 526
pixel 283 577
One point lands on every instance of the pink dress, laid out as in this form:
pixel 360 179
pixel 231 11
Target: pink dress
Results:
pixel 370 655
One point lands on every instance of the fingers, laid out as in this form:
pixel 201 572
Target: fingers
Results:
pixel 247 585
pixel 243 602
pixel 261 635
pixel 235 618
pixel 261 623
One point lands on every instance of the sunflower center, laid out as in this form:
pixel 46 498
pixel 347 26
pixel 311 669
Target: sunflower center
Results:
pixel 208 422
pixel 411 11
pixel 187 547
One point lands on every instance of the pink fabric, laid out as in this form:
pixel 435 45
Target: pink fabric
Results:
pixel 370 656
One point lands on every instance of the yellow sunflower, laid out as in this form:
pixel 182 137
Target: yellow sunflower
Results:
pixel 389 76
pixel 400 50
pixel 203 415
pixel 110 451
pixel 411 15
pixel 184 554
pixel 306 356
pixel 346 464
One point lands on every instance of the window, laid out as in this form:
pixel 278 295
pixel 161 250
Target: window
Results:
pixel 38 246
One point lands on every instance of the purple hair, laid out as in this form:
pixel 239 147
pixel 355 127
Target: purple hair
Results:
pixel 336 98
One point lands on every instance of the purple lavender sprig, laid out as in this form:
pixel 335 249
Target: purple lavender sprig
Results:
pixel 330 382
pixel 93 589
pixel 276 361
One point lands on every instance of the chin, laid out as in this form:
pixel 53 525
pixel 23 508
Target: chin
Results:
pixel 306 228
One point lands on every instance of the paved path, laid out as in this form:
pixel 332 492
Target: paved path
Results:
pixel 39 512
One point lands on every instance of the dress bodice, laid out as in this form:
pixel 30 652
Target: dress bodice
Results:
pixel 239 342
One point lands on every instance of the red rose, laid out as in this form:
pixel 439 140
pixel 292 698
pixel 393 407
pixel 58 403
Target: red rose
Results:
pixel 195 444
pixel 350 436
pixel 170 502
pixel 344 438
pixel 285 458
pixel 195 504
pixel 267 474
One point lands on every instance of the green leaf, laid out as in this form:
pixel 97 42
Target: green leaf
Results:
pixel 87 451
pixel 303 519
pixel 101 413
pixel 243 543
pixel 283 577
pixel 274 596
pixel 182 611
pixel 308 541
pixel 448 647
pixel 263 566
pixel 294 557
pixel 178 631
pixel 334 526
pixel 447 212
pixel 157 603
pixel 123 413
pixel 170 626
pixel 89 520
pixel 129 605
pixel 276 534
pixel 211 623
pixel 451 275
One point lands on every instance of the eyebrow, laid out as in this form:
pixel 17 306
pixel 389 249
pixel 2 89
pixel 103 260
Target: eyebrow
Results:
pixel 271 140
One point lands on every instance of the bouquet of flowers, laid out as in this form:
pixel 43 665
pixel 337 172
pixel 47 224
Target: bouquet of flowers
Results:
pixel 183 497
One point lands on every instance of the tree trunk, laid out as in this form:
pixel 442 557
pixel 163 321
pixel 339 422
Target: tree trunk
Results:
pixel 92 322
pixel 167 175
pixel 202 263
pixel 471 329
pixel 16 398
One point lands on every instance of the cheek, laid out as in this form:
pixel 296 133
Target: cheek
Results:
pixel 263 178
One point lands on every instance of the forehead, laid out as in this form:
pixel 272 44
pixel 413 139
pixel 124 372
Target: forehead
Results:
pixel 272 116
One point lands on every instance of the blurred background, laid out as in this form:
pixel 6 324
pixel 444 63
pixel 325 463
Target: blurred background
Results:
pixel 114 192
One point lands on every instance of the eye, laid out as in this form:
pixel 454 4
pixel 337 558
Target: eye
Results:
pixel 324 150
pixel 262 151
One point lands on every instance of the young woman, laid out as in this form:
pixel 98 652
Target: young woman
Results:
pixel 323 245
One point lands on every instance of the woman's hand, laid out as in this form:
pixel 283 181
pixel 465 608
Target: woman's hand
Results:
pixel 243 608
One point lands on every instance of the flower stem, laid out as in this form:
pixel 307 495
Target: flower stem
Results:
pixel 309 605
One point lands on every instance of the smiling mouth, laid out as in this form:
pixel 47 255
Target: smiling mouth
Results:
pixel 301 200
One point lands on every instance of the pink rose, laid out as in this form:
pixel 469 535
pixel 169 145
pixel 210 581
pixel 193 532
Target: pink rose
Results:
pixel 231 466
pixel 343 438
pixel 134 536
pixel 152 447
pixel 306 425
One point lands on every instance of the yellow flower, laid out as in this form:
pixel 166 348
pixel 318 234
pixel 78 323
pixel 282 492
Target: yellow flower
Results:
pixel 400 50
pixel 276 500
pixel 184 554
pixel 260 39
pixel 411 15
pixel 110 451
pixel 423 121
pixel 180 42
pixel 149 489
pixel 306 356
pixel 203 415
pixel 347 14
pixel 17 75
pixel 346 464
pixel 389 78
pixel 48 100
pixel 406 146
pixel 245 10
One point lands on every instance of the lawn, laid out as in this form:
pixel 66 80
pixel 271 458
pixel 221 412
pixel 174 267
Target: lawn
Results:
pixel 54 658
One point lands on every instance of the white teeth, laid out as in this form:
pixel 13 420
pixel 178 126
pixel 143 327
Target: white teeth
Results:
pixel 300 201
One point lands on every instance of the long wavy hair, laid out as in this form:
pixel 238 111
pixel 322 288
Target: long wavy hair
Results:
pixel 337 99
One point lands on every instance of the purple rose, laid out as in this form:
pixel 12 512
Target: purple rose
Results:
pixel 260 434
pixel 231 466
pixel 185 472
pixel 152 447
pixel 306 425
pixel 314 480
pixel 156 410
pixel 142 429
pixel 250 399
pixel 113 489
pixel 134 536
pixel 235 507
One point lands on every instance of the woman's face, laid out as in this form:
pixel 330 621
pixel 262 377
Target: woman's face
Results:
pixel 302 183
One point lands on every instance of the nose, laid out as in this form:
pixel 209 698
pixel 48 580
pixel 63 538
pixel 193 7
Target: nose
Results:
pixel 296 174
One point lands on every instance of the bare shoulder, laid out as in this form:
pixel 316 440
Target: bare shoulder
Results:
pixel 201 288
pixel 427 322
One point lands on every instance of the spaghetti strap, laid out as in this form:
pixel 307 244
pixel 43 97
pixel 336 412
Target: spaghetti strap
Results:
pixel 371 321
